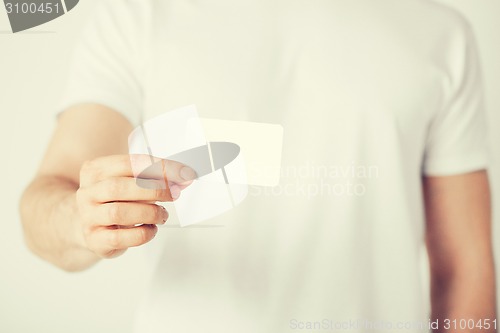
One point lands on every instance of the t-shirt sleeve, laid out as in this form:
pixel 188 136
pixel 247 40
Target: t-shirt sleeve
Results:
pixel 106 64
pixel 457 138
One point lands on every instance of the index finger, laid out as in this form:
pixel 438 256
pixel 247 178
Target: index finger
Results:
pixel 169 171
pixel 140 166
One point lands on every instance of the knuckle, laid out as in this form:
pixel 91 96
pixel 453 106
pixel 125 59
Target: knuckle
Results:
pixel 127 160
pixel 142 236
pixel 89 172
pixel 114 240
pixel 85 209
pixel 87 166
pixel 84 197
pixel 86 169
pixel 114 213
pixel 80 196
pixel 113 188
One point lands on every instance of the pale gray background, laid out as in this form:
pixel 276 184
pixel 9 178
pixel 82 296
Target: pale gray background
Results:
pixel 34 296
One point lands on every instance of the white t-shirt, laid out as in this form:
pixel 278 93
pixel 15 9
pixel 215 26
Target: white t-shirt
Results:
pixel 371 95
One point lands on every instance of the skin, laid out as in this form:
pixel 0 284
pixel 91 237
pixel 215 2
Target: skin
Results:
pixel 459 243
pixel 83 205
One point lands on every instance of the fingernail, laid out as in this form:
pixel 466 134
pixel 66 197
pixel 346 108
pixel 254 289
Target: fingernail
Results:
pixel 175 192
pixel 165 214
pixel 187 173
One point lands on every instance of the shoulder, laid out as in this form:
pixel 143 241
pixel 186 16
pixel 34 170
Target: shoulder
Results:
pixel 425 28
pixel 431 18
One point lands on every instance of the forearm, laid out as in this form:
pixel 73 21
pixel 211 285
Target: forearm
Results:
pixel 49 216
pixel 459 243
pixel 463 295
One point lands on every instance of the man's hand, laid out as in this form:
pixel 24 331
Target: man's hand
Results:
pixel 76 212
pixel 116 213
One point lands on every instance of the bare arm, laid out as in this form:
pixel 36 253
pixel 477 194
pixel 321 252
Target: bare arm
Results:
pixel 459 244
pixel 83 203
